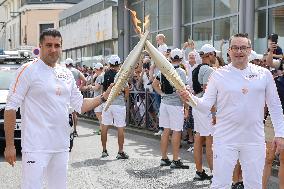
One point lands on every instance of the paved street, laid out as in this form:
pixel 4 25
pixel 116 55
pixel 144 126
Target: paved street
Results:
pixel 87 170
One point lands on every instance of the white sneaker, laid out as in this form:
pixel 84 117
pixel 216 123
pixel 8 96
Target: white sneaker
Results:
pixel 160 132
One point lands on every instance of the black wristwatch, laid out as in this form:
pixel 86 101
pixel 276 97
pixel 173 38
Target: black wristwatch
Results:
pixel 103 98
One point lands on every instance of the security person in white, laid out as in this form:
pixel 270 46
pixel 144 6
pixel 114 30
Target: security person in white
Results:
pixel 240 91
pixel 44 90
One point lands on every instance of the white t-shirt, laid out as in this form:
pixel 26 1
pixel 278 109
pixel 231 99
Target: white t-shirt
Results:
pixel 44 95
pixel 163 48
pixel 146 80
pixel 241 96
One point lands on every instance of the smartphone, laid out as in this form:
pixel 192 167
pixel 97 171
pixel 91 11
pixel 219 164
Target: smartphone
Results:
pixel 274 38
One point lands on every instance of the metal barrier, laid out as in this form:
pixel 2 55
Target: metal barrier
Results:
pixel 141 109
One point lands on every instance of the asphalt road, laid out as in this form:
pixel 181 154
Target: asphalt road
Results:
pixel 87 170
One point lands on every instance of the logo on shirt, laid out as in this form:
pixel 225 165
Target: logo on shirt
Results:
pixel 244 90
pixel 251 76
pixel 30 162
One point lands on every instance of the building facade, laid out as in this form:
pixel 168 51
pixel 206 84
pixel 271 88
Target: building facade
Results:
pixel 89 31
pixel 25 19
pixel 205 21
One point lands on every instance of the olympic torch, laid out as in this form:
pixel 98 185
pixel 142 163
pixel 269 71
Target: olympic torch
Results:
pixel 167 70
pixel 126 69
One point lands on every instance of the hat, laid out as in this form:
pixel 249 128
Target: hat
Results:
pixel 69 61
pixel 98 66
pixel 114 60
pixel 207 48
pixel 176 54
pixel 254 56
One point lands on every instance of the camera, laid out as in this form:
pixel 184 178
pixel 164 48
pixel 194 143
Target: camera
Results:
pixel 169 50
pixel 146 66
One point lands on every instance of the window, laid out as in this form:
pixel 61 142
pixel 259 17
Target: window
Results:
pixel 186 11
pixel 109 48
pixel 202 9
pixel 186 36
pixel 275 1
pixel 99 50
pixel 45 26
pixel 226 7
pixel 223 30
pixel 202 33
pixel 151 8
pixel 75 17
pixel 260 3
pixel 186 33
pixel 165 14
pixel 276 23
pixel 260 34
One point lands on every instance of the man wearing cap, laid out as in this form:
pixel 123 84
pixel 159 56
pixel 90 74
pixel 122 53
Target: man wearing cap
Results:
pixel 116 113
pixel 203 121
pixel 81 82
pixel 237 90
pixel 98 89
pixel 171 113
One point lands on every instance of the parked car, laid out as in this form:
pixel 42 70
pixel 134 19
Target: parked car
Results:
pixel 8 68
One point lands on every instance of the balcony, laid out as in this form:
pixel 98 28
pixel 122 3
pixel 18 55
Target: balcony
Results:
pixel 29 2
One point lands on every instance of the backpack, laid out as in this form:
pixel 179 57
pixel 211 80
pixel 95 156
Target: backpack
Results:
pixel 166 87
pixel 108 78
pixel 279 81
pixel 195 83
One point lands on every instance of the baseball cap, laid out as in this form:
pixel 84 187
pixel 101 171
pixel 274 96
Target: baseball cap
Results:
pixel 69 61
pixel 176 54
pixel 114 60
pixel 254 56
pixel 98 66
pixel 207 48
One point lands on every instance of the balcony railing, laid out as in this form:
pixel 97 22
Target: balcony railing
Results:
pixel 25 2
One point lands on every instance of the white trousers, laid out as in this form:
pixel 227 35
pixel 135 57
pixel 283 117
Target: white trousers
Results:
pixel 36 167
pixel 252 159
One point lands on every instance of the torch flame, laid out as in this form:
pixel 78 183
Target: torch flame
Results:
pixel 146 23
pixel 135 21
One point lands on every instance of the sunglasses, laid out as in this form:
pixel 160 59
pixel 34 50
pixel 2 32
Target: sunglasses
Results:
pixel 201 53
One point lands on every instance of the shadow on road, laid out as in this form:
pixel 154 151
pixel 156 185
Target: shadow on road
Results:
pixel 90 162
pixel 154 172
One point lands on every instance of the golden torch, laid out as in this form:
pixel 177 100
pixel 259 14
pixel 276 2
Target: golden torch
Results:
pixel 167 70
pixel 130 62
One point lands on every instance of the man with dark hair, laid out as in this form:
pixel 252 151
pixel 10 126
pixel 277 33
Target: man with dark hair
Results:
pixel 238 89
pixel 44 90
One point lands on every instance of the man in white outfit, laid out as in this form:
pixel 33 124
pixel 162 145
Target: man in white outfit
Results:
pixel 240 91
pixel 44 90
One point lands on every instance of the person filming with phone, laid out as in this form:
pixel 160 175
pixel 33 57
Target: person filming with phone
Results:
pixel 274 47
